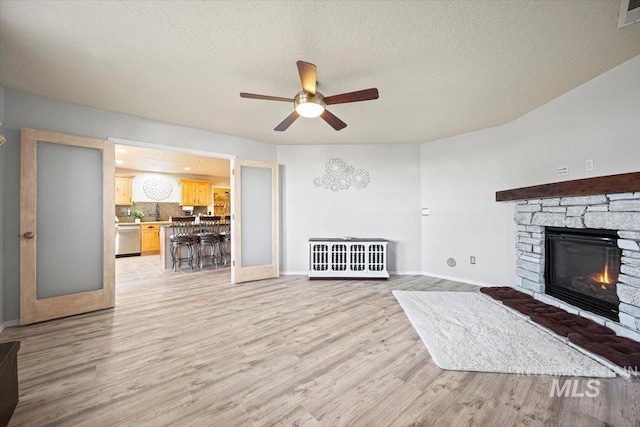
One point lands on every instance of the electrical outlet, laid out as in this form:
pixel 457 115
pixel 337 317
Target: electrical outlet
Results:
pixel 563 170
pixel 589 165
pixel 425 211
pixel 472 259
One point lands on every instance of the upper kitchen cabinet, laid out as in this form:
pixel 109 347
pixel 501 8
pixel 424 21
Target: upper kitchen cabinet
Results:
pixel 195 193
pixel 123 189
pixel 221 202
pixel 203 194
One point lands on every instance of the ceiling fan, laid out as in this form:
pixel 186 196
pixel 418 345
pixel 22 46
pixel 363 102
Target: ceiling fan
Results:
pixel 311 103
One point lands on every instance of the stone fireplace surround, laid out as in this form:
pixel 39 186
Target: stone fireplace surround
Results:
pixel 617 211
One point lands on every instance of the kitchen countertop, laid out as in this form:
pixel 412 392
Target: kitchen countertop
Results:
pixel 145 223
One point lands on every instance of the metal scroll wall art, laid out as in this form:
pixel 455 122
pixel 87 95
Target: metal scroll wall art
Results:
pixel 341 176
pixel 157 188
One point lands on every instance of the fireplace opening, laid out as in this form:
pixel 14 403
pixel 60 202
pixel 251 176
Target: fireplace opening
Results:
pixel 582 268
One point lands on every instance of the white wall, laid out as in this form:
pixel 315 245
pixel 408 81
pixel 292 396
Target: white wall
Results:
pixel 389 207
pixel 459 179
pixel 27 111
pixel 599 120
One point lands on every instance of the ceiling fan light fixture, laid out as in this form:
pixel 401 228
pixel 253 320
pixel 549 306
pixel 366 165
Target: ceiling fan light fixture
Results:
pixel 309 109
pixel 308 105
pixel 311 103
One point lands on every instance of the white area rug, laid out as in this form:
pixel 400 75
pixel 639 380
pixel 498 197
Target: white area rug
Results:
pixel 464 331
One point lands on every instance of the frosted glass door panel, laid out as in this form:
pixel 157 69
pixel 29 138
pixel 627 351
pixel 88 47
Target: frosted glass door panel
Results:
pixel 69 220
pixel 254 220
pixel 256 216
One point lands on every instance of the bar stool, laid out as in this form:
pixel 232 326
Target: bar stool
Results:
pixel 209 236
pixel 183 235
pixel 225 238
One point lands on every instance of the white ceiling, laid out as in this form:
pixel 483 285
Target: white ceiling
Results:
pixel 442 68
pixel 152 160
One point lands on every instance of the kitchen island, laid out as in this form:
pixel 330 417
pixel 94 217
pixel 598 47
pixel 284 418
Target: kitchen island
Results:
pixel 165 247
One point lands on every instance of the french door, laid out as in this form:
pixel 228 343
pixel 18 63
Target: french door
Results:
pixel 67 227
pixel 254 220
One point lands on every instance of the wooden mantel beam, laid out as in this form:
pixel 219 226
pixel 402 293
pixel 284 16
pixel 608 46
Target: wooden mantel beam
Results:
pixel 621 183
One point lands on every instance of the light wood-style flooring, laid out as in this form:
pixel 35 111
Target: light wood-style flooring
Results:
pixel 189 348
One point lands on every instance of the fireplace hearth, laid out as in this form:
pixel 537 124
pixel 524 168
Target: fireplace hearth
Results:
pixel 582 268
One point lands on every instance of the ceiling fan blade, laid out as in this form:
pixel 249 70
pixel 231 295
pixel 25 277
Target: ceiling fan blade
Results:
pixel 333 121
pixel 284 125
pixel 265 97
pixel 359 95
pixel 308 73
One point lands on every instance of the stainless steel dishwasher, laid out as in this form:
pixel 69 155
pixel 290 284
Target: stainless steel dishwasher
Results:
pixel 127 240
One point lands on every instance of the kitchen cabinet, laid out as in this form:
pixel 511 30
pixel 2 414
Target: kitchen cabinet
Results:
pixel 221 202
pixel 187 192
pixel 149 237
pixel 194 193
pixel 123 190
pixel 203 194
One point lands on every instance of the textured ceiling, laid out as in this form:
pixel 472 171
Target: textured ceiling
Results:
pixel 442 68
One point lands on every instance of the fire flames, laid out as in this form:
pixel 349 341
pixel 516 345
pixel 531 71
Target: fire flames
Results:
pixel 603 278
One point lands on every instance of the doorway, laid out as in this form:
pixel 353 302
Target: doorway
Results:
pixel 155 184
pixel 244 190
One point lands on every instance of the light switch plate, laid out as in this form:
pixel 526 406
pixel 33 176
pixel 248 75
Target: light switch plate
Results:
pixel 563 170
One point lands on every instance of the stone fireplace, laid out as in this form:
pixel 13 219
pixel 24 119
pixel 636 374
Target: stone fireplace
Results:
pixel 604 208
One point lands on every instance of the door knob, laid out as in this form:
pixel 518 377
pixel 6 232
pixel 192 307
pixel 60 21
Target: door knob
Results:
pixel 28 235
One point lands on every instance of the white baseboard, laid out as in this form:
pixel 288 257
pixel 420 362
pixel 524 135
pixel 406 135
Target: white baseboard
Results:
pixel 395 273
pixel 9 323
pixel 406 273
pixel 294 273
pixel 458 279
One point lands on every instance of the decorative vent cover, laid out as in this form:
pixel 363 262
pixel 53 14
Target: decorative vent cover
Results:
pixel 361 258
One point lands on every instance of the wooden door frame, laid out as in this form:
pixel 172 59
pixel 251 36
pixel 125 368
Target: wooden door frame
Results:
pixel 37 310
pixel 246 274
